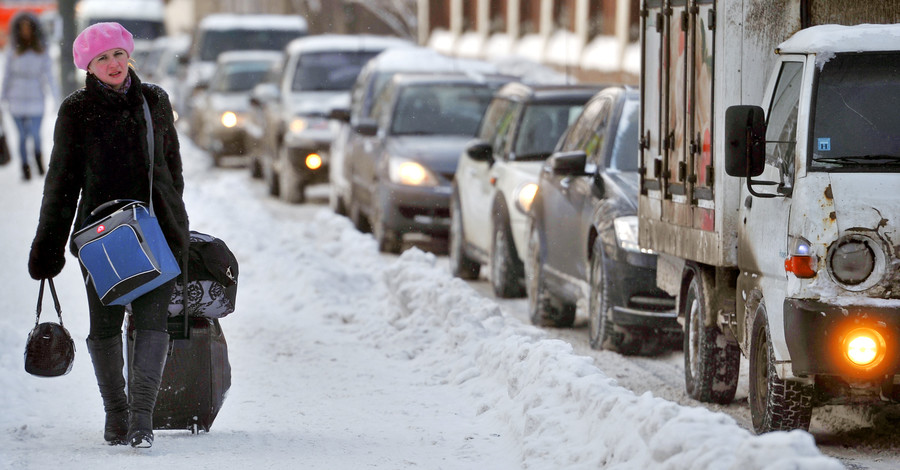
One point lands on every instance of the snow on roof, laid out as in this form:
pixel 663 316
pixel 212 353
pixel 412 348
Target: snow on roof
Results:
pixel 120 9
pixel 355 42
pixel 424 58
pixel 251 54
pixel 234 21
pixel 836 38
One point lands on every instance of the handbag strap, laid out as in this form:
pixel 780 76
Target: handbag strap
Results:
pixel 149 119
pixel 37 318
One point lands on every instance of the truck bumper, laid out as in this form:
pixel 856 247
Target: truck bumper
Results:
pixel 816 333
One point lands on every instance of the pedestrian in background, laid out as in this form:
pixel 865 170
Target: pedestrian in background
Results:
pixel 100 153
pixel 27 82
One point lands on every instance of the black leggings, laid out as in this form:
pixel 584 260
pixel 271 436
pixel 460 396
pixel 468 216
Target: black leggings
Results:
pixel 149 311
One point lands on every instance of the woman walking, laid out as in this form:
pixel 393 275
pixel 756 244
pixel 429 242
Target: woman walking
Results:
pixel 100 153
pixel 28 81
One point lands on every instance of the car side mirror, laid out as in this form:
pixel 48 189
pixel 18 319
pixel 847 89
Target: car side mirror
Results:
pixel 366 127
pixel 340 114
pixel 263 93
pixel 480 151
pixel 568 163
pixel 745 141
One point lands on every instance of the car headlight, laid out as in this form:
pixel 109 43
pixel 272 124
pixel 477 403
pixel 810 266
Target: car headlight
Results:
pixel 303 123
pixel 524 196
pixel 408 172
pixel 229 119
pixel 627 234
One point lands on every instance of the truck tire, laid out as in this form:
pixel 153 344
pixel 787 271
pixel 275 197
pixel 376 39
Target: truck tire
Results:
pixel 461 265
pixel 602 332
pixel 711 362
pixel 775 404
pixel 543 309
pixel 506 268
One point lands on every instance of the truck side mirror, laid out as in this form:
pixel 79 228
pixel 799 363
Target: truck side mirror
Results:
pixel 745 141
pixel 568 163
pixel 480 151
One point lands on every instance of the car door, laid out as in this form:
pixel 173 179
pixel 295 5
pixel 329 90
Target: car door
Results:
pixel 564 197
pixel 474 184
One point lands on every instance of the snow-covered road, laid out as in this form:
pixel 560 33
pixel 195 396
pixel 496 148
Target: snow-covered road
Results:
pixel 341 360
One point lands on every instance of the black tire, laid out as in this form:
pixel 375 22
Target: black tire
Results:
pixel 271 179
pixel 775 404
pixel 336 202
pixel 711 362
pixel 291 186
pixel 255 168
pixel 506 269
pixel 389 241
pixel 542 307
pixel 461 265
pixel 603 333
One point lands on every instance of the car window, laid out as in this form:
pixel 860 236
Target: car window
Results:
pixel 434 109
pixel 239 76
pixel 496 123
pixel 214 42
pixel 541 127
pixel 624 154
pixel 332 70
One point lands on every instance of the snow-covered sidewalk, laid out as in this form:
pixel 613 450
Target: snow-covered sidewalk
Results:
pixel 341 359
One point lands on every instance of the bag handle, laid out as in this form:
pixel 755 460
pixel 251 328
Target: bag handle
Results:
pixel 37 318
pixel 149 119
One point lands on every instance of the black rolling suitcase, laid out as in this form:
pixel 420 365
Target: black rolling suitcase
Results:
pixel 197 375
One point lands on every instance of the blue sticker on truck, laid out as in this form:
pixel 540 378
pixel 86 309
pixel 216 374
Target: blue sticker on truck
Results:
pixel 824 144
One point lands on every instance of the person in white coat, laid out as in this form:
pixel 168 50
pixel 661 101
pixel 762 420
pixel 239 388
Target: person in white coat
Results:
pixel 27 82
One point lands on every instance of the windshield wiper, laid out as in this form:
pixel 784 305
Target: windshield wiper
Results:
pixel 861 160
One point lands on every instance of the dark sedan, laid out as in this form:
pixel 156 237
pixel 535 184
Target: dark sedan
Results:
pixel 422 124
pixel 583 240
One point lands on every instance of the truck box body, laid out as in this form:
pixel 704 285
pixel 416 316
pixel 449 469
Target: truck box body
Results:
pixel 698 58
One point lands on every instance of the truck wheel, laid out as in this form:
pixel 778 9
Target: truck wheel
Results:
pixel 603 333
pixel 461 265
pixel 775 404
pixel 506 269
pixel 541 306
pixel 711 362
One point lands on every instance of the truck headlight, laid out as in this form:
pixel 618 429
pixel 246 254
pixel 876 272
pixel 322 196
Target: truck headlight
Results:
pixel 856 262
pixel 524 196
pixel 627 234
pixel 864 347
pixel 411 173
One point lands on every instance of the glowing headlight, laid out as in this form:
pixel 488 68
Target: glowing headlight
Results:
pixel 313 161
pixel 303 123
pixel 229 119
pixel 627 234
pixel 299 125
pixel 525 196
pixel 864 347
pixel 410 173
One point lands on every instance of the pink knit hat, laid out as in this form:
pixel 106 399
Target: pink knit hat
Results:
pixel 98 38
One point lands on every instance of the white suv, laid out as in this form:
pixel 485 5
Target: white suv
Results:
pixel 496 180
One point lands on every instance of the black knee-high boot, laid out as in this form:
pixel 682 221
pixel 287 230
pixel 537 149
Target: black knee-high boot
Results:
pixel 40 162
pixel 106 354
pixel 147 364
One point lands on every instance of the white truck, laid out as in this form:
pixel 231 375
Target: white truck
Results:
pixel 770 188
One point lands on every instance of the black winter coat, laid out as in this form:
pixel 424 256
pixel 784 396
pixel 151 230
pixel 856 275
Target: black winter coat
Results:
pixel 100 154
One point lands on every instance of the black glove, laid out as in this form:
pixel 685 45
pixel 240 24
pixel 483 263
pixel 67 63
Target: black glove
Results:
pixel 45 264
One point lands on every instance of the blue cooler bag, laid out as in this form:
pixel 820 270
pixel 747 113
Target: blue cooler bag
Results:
pixel 125 252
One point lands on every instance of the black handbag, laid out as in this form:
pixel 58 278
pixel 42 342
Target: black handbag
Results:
pixel 49 351
pixel 212 276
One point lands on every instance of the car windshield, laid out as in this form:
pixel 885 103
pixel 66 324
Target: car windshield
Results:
pixel 440 109
pixel 624 155
pixel 333 70
pixel 140 29
pixel 856 125
pixel 215 42
pixel 542 124
pixel 239 76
